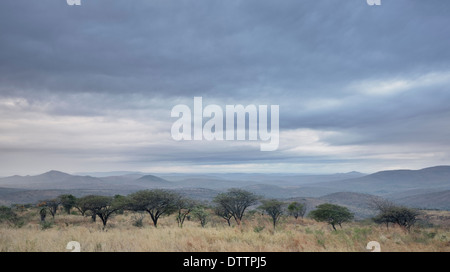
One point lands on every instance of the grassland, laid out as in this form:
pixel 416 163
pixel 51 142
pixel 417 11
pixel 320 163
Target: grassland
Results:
pixel 256 234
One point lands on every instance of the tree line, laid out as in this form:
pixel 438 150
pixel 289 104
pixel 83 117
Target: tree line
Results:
pixel 230 206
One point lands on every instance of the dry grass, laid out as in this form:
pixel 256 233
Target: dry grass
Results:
pixel 254 235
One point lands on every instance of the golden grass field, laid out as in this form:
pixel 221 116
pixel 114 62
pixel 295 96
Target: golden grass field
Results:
pixel 256 234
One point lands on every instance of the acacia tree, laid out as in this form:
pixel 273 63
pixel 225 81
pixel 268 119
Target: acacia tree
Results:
pixel 52 206
pixel 223 213
pixel 67 201
pixel 390 213
pixel 156 202
pixel 184 206
pixel 274 209
pixel 201 214
pixel 9 216
pixel 296 209
pixel 104 206
pixel 85 204
pixel 235 202
pixel 332 214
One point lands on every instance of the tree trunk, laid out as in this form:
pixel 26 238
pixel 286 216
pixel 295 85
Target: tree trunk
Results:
pixel 43 214
pixel 104 221
pixel 154 219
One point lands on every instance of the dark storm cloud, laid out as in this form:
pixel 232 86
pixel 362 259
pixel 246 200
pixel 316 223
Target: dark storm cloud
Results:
pixel 301 48
pixel 324 62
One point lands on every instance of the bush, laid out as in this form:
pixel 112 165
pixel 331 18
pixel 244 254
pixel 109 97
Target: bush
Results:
pixel 8 216
pixel 46 225
pixel 138 220
pixel 258 229
pixel 201 214
pixel 402 216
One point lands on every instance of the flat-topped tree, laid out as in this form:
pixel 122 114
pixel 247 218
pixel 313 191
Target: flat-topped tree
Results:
pixel 390 213
pixel 274 208
pixel 52 205
pixel 82 205
pixel 296 209
pixel 332 214
pixel 67 201
pixel 235 202
pixel 104 206
pixel 156 202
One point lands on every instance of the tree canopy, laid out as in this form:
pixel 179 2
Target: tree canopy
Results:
pixel 274 209
pixel 296 209
pixel 332 214
pixel 156 202
pixel 389 213
pixel 235 202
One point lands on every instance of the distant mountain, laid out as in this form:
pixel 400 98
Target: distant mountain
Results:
pixel 52 180
pixel 53 175
pixel 201 194
pixel 395 181
pixel 122 179
pixel 152 181
pixel 210 182
pixel 360 204
pixel 425 188
pixel 280 179
pixel 110 174
pixel 10 196
pixel 270 191
pixel 435 200
pixel 222 181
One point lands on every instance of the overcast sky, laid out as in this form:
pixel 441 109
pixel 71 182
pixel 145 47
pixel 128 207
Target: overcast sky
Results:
pixel 91 87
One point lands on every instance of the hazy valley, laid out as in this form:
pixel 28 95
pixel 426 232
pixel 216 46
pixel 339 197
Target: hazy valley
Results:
pixel 427 188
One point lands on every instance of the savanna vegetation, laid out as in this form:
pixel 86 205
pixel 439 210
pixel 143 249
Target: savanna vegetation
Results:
pixel 236 220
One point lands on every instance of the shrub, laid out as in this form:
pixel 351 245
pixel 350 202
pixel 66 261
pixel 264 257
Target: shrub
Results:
pixel 46 225
pixel 258 229
pixel 138 220
pixel 10 217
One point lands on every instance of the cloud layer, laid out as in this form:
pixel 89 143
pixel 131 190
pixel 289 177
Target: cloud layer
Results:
pixel 90 88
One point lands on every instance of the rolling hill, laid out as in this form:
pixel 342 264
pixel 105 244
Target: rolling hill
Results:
pixel 395 181
pixel 435 200
pixel 151 181
pixel 52 180
pixel 425 188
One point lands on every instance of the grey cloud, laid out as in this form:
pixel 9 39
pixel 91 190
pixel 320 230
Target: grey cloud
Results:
pixel 212 48
pixel 137 59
